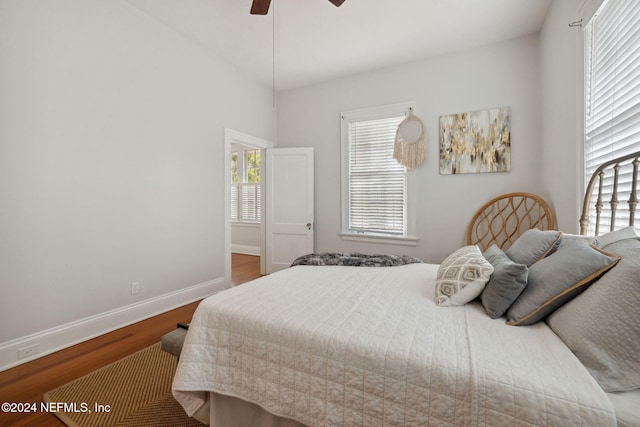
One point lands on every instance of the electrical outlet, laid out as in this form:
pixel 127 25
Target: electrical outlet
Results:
pixel 28 351
pixel 135 288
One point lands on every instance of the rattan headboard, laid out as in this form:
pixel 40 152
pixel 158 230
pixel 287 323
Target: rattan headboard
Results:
pixel 608 175
pixel 503 219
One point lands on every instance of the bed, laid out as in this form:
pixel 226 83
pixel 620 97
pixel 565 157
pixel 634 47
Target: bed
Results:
pixel 377 345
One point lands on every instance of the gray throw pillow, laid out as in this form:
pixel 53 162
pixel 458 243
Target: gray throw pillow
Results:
pixel 506 283
pixel 567 238
pixel 534 245
pixel 557 279
pixel 602 325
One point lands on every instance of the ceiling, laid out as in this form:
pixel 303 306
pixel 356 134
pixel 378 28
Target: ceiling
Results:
pixel 316 41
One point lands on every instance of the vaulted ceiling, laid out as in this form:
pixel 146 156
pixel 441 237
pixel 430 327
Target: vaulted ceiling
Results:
pixel 302 42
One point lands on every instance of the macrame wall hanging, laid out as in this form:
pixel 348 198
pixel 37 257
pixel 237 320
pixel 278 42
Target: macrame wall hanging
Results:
pixel 409 148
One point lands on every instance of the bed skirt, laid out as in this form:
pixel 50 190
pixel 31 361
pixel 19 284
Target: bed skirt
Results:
pixel 230 411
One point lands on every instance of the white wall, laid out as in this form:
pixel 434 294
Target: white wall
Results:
pixel 503 74
pixel 111 160
pixel 562 91
pixel 245 238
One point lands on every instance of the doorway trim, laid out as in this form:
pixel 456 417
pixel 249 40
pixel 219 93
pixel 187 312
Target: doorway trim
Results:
pixel 234 137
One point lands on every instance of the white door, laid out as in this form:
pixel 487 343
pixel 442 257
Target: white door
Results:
pixel 289 206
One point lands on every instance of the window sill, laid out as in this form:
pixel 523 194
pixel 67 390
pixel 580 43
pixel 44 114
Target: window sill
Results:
pixel 245 224
pixel 374 238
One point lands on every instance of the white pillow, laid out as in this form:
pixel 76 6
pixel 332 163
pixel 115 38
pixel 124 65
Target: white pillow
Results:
pixel 617 235
pixel 462 276
pixel 602 325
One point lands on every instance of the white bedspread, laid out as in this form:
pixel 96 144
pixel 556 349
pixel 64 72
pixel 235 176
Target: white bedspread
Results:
pixel 366 346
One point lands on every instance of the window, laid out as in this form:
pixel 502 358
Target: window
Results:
pixel 612 91
pixel 376 191
pixel 246 196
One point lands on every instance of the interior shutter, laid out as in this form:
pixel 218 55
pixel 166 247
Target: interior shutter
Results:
pixel 251 202
pixel 234 202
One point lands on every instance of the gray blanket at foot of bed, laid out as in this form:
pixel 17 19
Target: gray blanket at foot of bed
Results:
pixel 354 260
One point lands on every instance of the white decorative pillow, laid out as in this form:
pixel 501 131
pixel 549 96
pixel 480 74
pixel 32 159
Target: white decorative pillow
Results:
pixel 602 325
pixel 462 276
pixel 617 235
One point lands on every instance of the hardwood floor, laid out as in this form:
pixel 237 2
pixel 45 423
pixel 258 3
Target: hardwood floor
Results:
pixel 28 382
pixel 244 268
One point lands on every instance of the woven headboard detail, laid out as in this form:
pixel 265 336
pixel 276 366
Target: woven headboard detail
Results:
pixel 503 219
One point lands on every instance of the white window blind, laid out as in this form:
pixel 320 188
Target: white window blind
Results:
pixel 377 183
pixel 612 94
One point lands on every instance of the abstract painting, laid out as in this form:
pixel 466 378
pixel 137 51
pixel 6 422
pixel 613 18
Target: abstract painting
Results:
pixel 475 142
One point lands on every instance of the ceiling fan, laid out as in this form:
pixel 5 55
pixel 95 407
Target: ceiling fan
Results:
pixel 261 7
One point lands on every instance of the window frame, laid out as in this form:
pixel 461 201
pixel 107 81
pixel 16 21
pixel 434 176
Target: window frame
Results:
pixel 590 11
pixel 409 238
pixel 235 216
pixel 243 181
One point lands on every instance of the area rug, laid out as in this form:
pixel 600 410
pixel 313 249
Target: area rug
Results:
pixel 134 391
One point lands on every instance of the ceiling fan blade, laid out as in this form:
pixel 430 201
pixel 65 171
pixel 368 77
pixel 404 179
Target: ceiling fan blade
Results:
pixel 337 2
pixel 260 7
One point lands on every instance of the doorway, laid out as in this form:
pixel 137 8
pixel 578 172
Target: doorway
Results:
pixel 248 246
pixel 247 221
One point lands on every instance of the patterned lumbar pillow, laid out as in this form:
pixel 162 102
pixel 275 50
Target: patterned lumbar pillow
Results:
pixel 462 276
